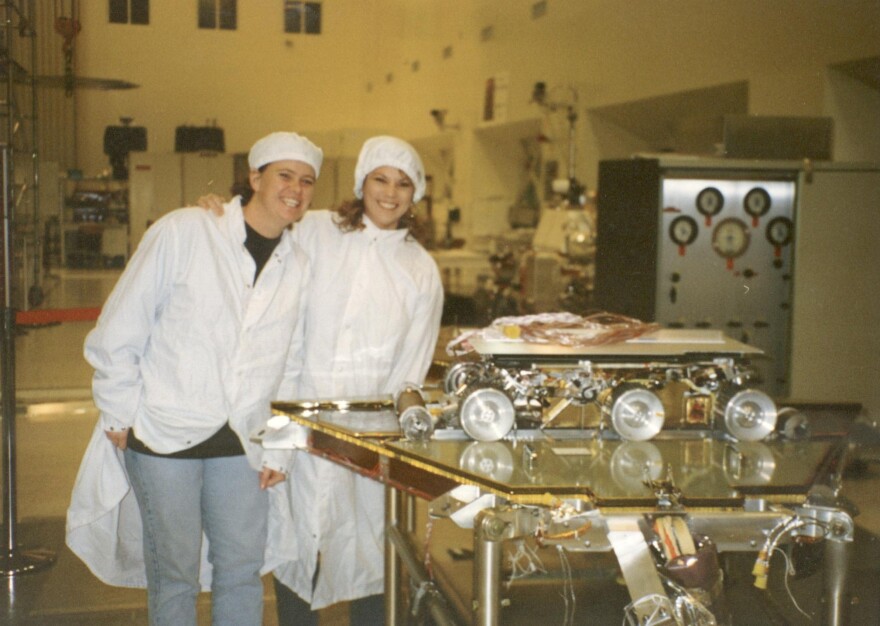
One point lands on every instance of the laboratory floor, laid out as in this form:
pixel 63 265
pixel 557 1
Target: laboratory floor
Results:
pixel 54 422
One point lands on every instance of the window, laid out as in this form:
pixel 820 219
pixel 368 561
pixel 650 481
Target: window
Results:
pixel 129 11
pixel 218 14
pixel 302 17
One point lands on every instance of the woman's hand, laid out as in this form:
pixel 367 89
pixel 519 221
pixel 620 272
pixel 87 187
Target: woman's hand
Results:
pixel 270 477
pixel 118 438
pixel 212 202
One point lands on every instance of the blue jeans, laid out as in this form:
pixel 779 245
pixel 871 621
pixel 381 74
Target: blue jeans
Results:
pixel 178 500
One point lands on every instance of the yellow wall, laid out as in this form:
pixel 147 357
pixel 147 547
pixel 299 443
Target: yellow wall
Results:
pixel 251 81
pixel 359 74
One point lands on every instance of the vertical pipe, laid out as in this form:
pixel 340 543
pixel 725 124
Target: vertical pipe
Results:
pixel 8 336
pixel 55 120
pixel 74 122
pixel 393 613
pixel 571 116
pixel 8 346
pixel 408 514
pixel 837 558
pixel 37 266
pixel 9 499
pixel 13 561
pixel 418 575
pixel 488 532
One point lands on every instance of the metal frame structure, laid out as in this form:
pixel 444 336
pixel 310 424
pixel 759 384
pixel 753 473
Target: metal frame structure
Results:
pixel 18 107
pixel 749 520
pixel 18 192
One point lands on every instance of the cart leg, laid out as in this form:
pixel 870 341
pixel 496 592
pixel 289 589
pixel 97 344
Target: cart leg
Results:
pixel 488 533
pixel 394 610
pixel 837 559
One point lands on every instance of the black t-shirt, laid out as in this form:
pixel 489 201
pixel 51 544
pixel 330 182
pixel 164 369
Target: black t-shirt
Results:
pixel 260 247
pixel 224 442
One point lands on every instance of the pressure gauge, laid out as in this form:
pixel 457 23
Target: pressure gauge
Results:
pixel 730 238
pixel 683 230
pixel 710 201
pixel 757 202
pixel 778 231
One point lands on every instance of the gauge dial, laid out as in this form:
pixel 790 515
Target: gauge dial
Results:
pixel 683 230
pixel 778 231
pixel 730 238
pixel 757 202
pixel 710 201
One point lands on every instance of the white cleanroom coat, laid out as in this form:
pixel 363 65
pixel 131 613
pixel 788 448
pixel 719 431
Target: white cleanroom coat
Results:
pixel 186 342
pixel 371 325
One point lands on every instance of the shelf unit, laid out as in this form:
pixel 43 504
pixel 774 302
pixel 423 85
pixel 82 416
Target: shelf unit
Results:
pixel 94 221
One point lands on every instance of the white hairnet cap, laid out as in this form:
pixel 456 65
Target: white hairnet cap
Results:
pixel 385 151
pixel 285 147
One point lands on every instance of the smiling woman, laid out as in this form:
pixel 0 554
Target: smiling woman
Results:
pixel 282 192
pixel 373 317
pixel 187 358
pixel 389 181
pixel 388 195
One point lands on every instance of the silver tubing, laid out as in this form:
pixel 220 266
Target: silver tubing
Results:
pixel 836 568
pixel 436 605
pixel 393 607
pixel 488 534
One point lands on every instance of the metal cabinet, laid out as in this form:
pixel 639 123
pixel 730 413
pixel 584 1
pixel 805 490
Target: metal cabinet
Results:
pixel 777 254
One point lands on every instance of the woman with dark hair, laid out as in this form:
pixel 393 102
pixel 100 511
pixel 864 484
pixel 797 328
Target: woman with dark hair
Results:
pixel 203 330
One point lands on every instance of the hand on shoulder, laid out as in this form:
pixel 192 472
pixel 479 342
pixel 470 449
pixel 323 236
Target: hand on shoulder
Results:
pixel 212 202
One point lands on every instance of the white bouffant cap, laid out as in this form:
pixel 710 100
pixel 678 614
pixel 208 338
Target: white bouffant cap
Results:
pixel 387 151
pixel 285 147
